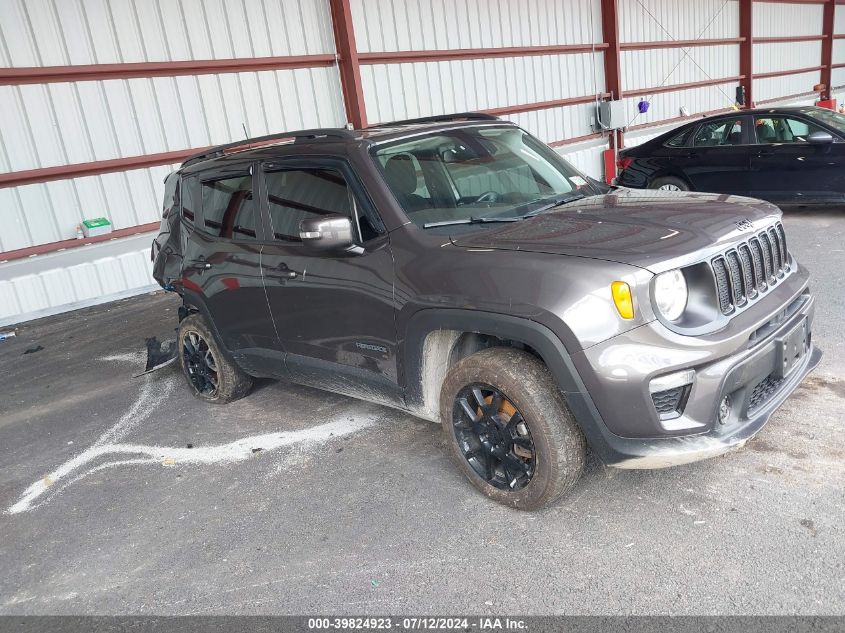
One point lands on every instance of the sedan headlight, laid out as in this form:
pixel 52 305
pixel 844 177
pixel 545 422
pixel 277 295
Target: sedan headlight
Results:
pixel 671 294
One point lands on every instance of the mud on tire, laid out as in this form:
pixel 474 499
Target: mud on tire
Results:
pixel 549 443
pixel 211 375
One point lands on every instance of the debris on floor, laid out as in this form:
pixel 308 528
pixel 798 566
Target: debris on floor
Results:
pixel 32 350
pixel 159 354
pixel 5 335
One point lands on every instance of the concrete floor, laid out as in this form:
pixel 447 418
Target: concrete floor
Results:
pixel 356 508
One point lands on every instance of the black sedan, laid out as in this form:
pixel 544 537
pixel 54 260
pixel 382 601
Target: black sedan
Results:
pixel 790 155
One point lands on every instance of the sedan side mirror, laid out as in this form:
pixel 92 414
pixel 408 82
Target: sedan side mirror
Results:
pixel 329 232
pixel 820 138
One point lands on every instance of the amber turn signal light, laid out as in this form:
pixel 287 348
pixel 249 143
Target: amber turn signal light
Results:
pixel 623 299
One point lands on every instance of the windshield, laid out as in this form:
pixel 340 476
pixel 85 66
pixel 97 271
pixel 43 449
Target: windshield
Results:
pixel 828 117
pixel 477 174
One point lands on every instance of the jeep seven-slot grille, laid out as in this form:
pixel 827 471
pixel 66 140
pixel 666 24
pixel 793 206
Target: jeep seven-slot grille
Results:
pixel 750 268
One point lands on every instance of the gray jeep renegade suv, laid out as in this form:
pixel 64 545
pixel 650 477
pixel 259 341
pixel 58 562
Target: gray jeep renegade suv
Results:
pixel 459 269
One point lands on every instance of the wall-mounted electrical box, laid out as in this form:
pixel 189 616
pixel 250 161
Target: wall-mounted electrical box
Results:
pixel 610 115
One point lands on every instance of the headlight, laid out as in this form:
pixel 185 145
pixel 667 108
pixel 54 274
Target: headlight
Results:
pixel 671 294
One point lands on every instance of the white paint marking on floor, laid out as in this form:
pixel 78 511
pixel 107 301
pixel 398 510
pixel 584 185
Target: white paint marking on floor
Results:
pixel 128 357
pixel 152 394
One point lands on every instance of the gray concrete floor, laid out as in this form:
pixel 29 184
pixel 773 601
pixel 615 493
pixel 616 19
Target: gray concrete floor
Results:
pixel 374 518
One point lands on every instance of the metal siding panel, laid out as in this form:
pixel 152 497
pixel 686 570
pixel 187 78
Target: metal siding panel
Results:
pixel 774 87
pixel 786 56
pixel 777 19
pixel 838 52
pixel 838 77
pixel 662 20
pixel 395 25
pixel 839 20
pixel 398 91
pixel 657 67
pixel 667 105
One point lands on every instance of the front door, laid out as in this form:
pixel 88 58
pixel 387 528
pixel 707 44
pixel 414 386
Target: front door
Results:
pixel 785 167
pixel 222 269
pixel 717 159
pixel 334 311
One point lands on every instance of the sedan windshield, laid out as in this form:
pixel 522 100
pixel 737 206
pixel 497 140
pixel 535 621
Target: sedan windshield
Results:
pixel 477 175
pixel 828 117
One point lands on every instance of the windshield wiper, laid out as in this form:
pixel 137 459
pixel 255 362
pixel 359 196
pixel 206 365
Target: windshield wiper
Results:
pixel 552 205
pixel 470 220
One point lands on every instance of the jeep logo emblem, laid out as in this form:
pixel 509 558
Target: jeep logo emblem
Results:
pixel 744 225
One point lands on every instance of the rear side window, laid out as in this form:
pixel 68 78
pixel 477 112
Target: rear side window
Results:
pixel 679 140
pixel 228 208
pixel 719 133
pixel 190 199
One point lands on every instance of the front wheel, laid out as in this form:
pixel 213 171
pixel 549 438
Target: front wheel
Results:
pixel 669 183
pixel 509 429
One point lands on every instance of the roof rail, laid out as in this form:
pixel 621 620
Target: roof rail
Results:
pixel 258 141
pixel 443 118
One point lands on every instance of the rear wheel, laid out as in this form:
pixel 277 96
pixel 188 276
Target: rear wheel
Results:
pixel 211 375
pixel 509 429
pixel 669 183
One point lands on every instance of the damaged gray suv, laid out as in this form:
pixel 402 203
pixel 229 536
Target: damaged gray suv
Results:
pixel 459 269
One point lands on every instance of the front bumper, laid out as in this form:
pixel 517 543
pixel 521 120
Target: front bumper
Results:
pixel 743 363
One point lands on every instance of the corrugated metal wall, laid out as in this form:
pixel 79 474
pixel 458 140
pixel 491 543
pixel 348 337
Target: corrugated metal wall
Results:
pixel 666 20
pixel 786 20
pixel 78 122
pixel 838 74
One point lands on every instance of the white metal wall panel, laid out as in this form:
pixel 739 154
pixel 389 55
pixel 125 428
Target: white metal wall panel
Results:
pixel 781 19
pixel 586 157
pixel 638 137
pixel 838 51
pixel 839 20
pixel 400 91
pixel 837 79
pixel 661 20
pixel 396 25
pixel 667 105
pixel 786 56
pixel 50 212
pixel 557 124
pixel 59 281
pixel 667 66
pixel 63 32
pixel 775 87
pixel 46 125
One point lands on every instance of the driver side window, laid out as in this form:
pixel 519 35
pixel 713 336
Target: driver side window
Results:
pixel 780 129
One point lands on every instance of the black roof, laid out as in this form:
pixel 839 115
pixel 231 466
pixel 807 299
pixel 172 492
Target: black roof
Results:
pixel 382 131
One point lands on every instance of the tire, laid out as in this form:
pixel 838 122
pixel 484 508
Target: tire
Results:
pixel 227 383
pixel 559 449
pixel 669 183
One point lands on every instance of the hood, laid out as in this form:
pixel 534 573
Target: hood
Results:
pixel 656 230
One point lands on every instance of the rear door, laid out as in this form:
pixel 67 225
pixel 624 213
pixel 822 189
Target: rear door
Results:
pixel 718 156
pixel 785 167
pixel 334 311
pixel 222 269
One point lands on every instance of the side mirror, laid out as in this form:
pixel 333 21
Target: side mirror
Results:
pixel 820 138
pixel 329 232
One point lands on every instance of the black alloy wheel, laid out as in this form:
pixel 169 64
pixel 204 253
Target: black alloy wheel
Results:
pixel 200 363
pixel 493 437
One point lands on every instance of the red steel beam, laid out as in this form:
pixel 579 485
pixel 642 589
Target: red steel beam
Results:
pixel 78 170
pixel 41 249
pixel 784 73
pixel 642 46
pixel 828 28
pixel 348 63
pixel 99 72
pixel 543 105
pixel 641 92
pixel 612 56
pixel 400 57
pixel 788 38
pixel 746 49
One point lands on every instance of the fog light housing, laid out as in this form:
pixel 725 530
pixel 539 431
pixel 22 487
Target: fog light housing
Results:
pixel 724 409
pixel 669 393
